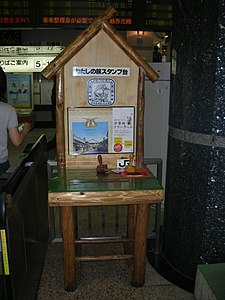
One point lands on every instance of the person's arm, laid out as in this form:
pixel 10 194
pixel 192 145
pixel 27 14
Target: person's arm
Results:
pixel 17 137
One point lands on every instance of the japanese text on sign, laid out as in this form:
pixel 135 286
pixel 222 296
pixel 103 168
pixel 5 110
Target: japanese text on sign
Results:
pixel 17 12
pixel 98 71
pixel 34 64
pixel 84 12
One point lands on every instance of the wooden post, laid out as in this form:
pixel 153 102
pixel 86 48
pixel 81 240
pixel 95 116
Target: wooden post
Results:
pixel 77 44
pixel 140 243
pixel 131 52
pixel 131 223
pixel 140 121
pixel 60 132
pixel 68 235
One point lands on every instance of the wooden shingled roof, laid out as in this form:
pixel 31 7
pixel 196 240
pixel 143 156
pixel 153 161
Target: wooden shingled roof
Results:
pixel 86 35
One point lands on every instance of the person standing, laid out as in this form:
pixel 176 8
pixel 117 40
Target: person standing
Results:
pixel 157 56
pixel 8 125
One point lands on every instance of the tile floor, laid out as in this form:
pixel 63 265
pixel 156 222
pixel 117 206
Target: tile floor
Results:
pixel 103 281
pixel 96 280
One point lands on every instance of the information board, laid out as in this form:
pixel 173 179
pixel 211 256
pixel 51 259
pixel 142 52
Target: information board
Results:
pixel 158 14
pixel 17 13
pixel 27 58
pixel 82 13
pixel 149 15
pixel 101 130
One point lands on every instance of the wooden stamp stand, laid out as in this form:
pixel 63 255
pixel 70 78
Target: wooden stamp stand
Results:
pixel 100 79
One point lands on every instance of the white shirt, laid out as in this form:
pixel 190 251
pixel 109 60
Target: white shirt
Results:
pixel 8 119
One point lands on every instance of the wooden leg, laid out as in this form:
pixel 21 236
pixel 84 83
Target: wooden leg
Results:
pixel 140 243
pixel 68 234
pixel 131 223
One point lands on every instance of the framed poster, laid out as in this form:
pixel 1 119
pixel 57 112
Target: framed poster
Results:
pixel 101 130
pixel 19 89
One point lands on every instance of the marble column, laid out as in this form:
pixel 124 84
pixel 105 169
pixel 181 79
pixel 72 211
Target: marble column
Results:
pixel 194 213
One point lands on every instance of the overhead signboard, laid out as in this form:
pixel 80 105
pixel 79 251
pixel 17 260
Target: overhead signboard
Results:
pixel 24 64
pixel 146 15
pixel 27 58
pixel 82 13
pixel 17 13
pixel 158 14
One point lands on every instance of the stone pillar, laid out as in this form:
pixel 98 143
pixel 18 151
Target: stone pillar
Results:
pixel 194 215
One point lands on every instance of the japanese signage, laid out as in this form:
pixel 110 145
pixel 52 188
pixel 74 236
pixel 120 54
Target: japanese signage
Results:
pixel 27 58
pixel 98 71
pixel 123 129
pixel 15 13
pixel 130 14
pixel 24 64
pixel 30 50
pixel 105 130
pixel 82 13
pixel 158 14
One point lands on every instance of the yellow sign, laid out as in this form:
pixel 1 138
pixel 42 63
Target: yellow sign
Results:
pixel 4 252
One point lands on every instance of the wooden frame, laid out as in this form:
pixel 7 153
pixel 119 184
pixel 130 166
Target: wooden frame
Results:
pixel 138 200
pixel 56 68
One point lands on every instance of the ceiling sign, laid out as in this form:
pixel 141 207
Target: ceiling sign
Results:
pixel 82 13
pixel 17 13
pixel 27 58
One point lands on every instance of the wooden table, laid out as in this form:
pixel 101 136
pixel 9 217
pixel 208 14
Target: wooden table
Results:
pixel 74 188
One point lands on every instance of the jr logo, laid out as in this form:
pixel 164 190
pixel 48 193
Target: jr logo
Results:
pixel 122 163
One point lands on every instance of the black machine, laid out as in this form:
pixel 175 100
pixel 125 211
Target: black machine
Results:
pixel 24 225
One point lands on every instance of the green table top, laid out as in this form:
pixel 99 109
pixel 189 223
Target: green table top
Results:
pixel 85 180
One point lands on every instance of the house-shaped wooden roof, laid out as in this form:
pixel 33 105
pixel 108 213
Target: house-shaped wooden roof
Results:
pixel 86 35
